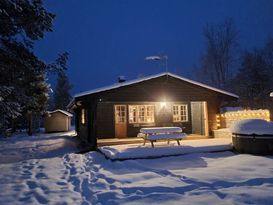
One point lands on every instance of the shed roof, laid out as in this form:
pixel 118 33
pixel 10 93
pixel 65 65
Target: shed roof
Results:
pixel 130 82
pixel 61 111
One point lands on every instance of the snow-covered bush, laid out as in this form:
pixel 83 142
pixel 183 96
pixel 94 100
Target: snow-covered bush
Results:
pixel 252 126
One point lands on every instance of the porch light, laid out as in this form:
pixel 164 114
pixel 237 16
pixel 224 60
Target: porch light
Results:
pixel 163 104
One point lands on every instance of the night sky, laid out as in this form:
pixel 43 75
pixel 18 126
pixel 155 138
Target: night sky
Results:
pixel 106 39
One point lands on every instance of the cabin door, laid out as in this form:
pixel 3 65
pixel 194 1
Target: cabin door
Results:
pixel 120 121
pixel 199 118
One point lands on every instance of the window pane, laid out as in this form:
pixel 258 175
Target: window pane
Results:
pixel 132 114
pixel 141 113
pixel 180 113
pixel 120 113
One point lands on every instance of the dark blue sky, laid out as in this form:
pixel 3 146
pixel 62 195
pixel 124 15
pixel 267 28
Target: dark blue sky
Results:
pixel 106 39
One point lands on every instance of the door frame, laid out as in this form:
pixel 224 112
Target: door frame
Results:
pixel 204 117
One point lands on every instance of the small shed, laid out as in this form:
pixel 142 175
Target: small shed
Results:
pixel 58 121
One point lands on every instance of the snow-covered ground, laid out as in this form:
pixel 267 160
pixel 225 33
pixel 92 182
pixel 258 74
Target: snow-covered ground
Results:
pixel 137 151
pixel 198 178
pixel 22 147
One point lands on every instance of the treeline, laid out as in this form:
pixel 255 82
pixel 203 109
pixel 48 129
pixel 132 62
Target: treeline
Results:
pixel 24 89
pixel 247 73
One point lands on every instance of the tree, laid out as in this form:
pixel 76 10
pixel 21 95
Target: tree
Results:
pixel 23 86
pixel 62 90
pixel 218 61
pixel 267 52
pixel 253 82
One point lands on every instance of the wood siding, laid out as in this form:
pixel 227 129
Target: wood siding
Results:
pixel 163 117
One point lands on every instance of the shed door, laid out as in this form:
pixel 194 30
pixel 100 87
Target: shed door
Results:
pixel 199 118
pixel 120 121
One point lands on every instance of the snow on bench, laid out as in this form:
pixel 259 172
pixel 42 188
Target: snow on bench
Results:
pixel 153 130
pixel 161 133
pixel 171 136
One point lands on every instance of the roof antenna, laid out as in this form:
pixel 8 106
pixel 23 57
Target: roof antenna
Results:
pixel 162 58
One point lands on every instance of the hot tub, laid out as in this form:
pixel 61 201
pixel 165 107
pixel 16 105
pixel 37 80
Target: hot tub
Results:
pixel 253 143
pixel 253 136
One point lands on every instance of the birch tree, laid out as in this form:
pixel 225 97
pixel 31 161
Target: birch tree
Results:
pixel 217 63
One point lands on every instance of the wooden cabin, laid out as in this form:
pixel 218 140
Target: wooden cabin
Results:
pixel 57 121
pixel 165 99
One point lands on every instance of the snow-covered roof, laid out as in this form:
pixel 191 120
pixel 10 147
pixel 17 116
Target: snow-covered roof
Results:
pixel 130 82
pixel 252 126
pixel 62 111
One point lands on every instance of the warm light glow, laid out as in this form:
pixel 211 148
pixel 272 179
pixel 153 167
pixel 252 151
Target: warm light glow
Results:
pixel 83 116
pixel 218 121
pixel 163 104
pixel 233 116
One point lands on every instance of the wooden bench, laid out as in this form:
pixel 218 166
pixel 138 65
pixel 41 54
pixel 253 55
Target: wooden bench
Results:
pixel 153 134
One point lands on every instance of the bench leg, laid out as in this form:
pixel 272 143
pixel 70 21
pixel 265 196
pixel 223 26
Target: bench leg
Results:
pixel 152 143
pixel 144 142
pixel 168 142
pixel 178 142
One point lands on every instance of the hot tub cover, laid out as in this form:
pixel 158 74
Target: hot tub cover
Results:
pixel 252 126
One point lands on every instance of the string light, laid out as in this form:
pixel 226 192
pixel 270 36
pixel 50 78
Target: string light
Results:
pixel 229 117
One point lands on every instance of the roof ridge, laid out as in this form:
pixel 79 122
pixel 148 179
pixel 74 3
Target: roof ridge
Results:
pixel 62 111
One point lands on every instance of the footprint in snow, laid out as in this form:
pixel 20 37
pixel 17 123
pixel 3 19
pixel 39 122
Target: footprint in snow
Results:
pixel 26 172
pixel 27 167
pixel 107 179
pixel 41 167
pixel 32 185
pixel 61 183
pixel 41 176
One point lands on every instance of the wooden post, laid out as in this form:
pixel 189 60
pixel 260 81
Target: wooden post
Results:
pixel 271 113
pixel 178 142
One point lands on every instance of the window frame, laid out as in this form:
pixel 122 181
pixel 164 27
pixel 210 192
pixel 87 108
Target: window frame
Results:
pixel 119 118
pixel 143 114
pixel 181 113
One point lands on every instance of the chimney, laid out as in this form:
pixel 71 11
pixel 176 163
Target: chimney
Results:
pixel 121 79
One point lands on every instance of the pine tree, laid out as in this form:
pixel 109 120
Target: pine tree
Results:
pixel 62 91
pixel 253 82
pixel 23 86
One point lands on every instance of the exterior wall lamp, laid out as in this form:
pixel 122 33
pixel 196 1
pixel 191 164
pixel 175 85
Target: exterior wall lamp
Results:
pixel 163 104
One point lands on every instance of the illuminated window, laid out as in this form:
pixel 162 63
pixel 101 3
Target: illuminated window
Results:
pixel 180 113
pixel 141 113
pixel 83 116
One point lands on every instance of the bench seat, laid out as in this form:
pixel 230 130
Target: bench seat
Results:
pixel 172 136
pixel 158 130
pixel 161 133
